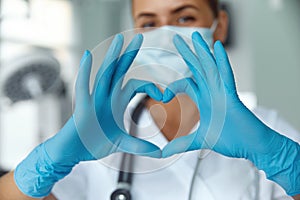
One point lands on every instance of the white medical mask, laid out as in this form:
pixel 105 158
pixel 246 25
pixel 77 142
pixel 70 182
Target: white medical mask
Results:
pixel 158 60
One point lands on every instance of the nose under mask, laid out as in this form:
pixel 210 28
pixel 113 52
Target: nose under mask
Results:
pixel 158 60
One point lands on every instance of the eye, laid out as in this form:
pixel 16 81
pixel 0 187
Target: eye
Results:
pixel 186 19
pixel 148 25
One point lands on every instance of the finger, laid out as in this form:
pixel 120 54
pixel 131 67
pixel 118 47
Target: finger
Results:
pixel 137 146
pixel 127 58
pixel 121 98
pixel 105 73
pixel 206 58
pixel 224 67
pixel 112 140
pixel 135 86
pixel 186 85
pixel 189 57
pixel 181 145
pixel 196 36
pixel 83 78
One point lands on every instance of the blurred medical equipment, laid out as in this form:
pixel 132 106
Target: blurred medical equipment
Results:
pixel 31 77
pixel 34 78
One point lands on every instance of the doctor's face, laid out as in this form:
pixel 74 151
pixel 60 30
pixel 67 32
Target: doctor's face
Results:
pixel 187 13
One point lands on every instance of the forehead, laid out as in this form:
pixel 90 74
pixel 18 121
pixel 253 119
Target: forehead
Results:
pixel 162 6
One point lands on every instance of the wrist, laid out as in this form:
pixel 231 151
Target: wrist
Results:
pixel 49 162
pixel 66 147
pixel 36 175
pixel 288 168
pixel 281 163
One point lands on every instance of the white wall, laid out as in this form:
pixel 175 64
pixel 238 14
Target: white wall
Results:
pixel 265 56
pixel 276 56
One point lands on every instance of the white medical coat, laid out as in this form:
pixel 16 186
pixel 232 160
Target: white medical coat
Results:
pixel 218 177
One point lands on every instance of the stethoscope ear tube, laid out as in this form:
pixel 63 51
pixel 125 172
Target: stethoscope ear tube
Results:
pixel 125 175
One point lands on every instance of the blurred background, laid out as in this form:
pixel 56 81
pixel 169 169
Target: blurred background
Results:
pixel 41 43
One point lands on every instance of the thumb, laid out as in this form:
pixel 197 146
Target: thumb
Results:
pixel 181 145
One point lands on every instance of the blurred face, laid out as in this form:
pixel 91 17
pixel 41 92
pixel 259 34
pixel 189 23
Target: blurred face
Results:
pixel 184 13
pixel 187 13
pixel 156 13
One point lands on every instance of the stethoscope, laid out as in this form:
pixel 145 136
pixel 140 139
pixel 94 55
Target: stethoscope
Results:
pixel 125 176
pixel 122 192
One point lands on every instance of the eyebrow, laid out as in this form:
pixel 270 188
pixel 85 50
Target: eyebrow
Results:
pixel 145 14
pixel 181 8
pixel 177 10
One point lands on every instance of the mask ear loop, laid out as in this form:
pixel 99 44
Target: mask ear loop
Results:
pixel 214 26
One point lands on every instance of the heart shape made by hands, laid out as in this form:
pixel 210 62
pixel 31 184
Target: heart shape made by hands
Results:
pixel 109 100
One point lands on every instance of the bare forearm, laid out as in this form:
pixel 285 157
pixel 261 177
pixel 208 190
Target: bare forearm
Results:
pixel 12 192
pixel 297 197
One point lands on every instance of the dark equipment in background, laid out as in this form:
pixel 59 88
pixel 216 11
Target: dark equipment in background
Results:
pixel 32 77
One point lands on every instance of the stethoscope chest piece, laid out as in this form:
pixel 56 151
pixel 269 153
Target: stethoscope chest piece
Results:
pixel 121 194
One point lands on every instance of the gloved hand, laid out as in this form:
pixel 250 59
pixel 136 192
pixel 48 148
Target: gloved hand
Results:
pixel 226 125
pixel 92 132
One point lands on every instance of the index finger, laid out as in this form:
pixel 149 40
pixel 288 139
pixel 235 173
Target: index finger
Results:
pixel 127 58
pixel 189 57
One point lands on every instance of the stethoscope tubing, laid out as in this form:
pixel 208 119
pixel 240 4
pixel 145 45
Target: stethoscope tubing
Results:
pixel 126 167
pixel 122 191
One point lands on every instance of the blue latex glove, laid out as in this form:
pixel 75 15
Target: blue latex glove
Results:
pixel 242 134
pixel 92 132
